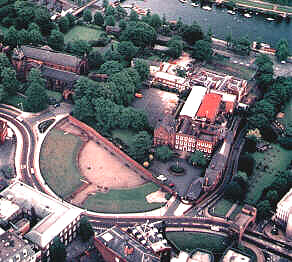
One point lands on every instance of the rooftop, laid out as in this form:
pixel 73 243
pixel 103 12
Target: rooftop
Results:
pixel 50 56
pixel 125 246
pixel 55 214
pixel 7 209
pixel 209 107
pixel 193 101
pixel 12 246
pixel 59 74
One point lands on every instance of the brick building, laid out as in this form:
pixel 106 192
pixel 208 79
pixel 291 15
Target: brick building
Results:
pixel 60 70
pixel 200 124
pixel 3 131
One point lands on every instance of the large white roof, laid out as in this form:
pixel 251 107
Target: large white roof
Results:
pixel 193 102
pixel 55 214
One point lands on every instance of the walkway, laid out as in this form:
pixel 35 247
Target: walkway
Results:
pixel 228 214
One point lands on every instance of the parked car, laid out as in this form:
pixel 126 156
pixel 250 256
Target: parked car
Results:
pixel 138 95
pixel 56 105
pixel 162 178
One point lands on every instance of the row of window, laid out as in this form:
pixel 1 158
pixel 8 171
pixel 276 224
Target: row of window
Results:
pixel 204 144
pixel 185 143
pixel 185 138
pixel 17 257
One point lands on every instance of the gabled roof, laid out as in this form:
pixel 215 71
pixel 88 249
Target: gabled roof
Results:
pixel 59 74
pixel 46 55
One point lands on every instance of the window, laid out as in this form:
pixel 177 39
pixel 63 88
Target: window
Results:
pixel 198 143
pixel 189 149
pixel 177 141
pixel 177 137
pixel 186 139
pixel 185 143
pixel 181 142
pixel 181 138
pixel 24 251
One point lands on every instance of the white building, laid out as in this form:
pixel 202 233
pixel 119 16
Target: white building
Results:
pixel 57 218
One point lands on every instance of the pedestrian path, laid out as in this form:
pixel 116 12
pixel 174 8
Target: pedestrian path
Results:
pixel 228 214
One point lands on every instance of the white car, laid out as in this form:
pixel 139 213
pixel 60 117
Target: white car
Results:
pixel 162 178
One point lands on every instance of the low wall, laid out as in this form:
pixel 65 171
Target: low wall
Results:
pixel 107 145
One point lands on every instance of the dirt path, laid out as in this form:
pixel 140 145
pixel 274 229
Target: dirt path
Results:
pixel 104 171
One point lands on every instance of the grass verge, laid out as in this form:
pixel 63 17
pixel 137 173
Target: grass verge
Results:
pixel 222 207
pixel 123 200
pixel 58 162
pixel 82 33
pixel 126 135
pixel 190 241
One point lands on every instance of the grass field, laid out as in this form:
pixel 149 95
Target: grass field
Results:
pixel 58 162
pixel 190 241
pixel 277 160
pixel 222 207
pixel 123 201
pixel 54 94
pixel 82 33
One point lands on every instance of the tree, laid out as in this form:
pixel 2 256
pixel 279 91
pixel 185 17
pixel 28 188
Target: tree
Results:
pixel 64 24
pixel 202 50
pixel 241 46
pixel 95 60
pixel 71 19
pixel 163 153
pixel 265 107
pixel 43 20
pixel 246 164
pixel 258 120
pixel 79 47
pixel 37 99
pixel 110 20
pixel 140 33
pixel 3 94
pixel 9 82
pixel 87 16
pixel 233 191
pixel 110 10
pixel 133 76
pixel 120 13
pixel 85 229
pixel 250 143
pixel 33 26
pixel 263 209
pixel 282 50
pixel 242 179
pixel 139 120
pixel 35 37
pixel 83 110
pixel 134 16
pixel 4 62
pixel 197 158
pixel 22 37
pixel 142 68
pixel 139 149
pixel 285 142
pixel 110 67
pixel 228 39
pixel 98 19
pixel 155 21
pixel 192 33
pixel 273 197
pixel 175 47
pixel 127 50
pixel 10 37
pixel 57 251
pixel 122 24
pixel 56 40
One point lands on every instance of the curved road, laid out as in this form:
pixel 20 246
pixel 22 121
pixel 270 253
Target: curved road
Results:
pixel 26 163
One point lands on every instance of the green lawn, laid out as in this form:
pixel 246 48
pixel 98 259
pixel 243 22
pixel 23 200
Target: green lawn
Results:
pixel 123 200
pixel 54 94
pixel 222 207
pixel 277 160
pixel 190 241
pixel 288 114
pixel 229 68
pixel 82 33
pixel 58 162
pixel 126 135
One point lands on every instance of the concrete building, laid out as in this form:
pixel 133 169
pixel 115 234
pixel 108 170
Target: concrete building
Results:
pixel 283 215
pixel 55 218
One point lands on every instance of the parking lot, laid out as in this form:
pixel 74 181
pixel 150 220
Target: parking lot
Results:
pixel 156 103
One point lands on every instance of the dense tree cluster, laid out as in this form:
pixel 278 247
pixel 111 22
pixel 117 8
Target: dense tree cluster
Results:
pixel 198 159
pixel 163 153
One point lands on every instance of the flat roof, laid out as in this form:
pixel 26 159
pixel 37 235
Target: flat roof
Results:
pixel 193 102
pixel 7 209
pixel 209 107
pixel 55 214
pixel 125 246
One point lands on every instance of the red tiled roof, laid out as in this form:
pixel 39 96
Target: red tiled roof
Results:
pixel 209 106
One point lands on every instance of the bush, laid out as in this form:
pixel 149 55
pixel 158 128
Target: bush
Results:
pixel 163 153
pixel 246 164
pixel 285 142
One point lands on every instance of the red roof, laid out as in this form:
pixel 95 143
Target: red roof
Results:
pixel 209 106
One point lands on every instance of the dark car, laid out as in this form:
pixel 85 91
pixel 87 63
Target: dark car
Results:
pixel 56 105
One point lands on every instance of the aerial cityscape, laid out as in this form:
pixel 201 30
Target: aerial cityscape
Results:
pixel 145 130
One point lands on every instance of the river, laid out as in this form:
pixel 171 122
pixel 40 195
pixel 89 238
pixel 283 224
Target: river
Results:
pixel 221 23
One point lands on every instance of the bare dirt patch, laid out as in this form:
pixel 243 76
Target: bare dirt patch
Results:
pixel 156 197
